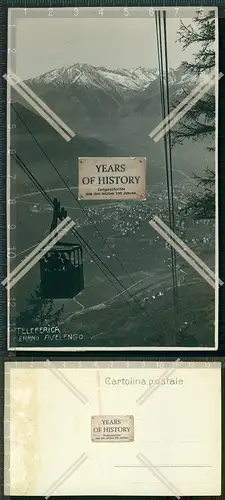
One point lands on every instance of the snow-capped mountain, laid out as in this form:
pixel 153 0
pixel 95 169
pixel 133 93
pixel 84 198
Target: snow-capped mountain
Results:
pixel 89 76
pixel 116 109
pixel 102 102
pixel 133 79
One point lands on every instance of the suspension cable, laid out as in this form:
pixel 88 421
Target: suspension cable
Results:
pixel 174 261
pixel 80 238
pixel 167 149
pixel 75 198
pixel 163 104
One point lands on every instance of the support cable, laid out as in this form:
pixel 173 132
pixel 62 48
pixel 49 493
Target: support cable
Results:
pixel 167 146
pixel 75 198
pixel 96 258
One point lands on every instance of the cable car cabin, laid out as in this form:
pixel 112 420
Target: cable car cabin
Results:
pixel 62 272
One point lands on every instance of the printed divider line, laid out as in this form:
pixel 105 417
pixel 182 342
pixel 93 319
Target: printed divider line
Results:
pixel 157 473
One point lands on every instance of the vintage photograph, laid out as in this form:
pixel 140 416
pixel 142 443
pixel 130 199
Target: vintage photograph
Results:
pixel 137 267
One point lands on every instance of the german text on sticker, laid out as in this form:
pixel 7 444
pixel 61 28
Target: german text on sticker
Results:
pixel 112 428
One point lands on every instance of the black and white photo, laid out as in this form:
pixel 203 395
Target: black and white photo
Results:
pixel 111 86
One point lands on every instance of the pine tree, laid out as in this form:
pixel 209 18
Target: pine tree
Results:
pixel 39 312
pixel 199 122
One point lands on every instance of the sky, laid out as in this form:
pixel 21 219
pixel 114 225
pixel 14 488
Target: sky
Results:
pixel 43 44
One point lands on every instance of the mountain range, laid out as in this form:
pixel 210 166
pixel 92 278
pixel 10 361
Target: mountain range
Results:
pixel 121 80
pixel 112 113
pixel 95 99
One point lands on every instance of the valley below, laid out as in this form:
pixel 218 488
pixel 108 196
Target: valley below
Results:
pixel 130 298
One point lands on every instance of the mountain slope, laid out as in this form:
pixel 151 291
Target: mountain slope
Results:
pixel 102 105
pixel 63 154
pixel 87 75
pixel 94 100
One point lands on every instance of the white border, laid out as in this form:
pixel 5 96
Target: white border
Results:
pixel 8 186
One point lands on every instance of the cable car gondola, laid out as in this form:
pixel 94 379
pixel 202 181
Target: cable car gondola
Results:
pixel 61 268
